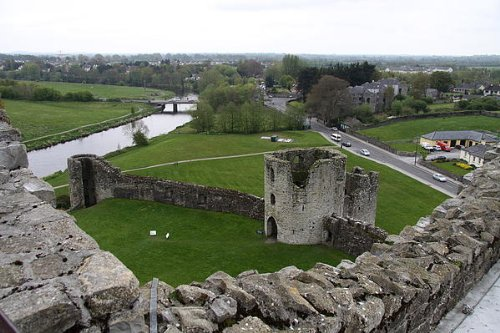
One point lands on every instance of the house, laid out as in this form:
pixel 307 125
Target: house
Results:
pixel 463 138
pixel 468 88
pixel 373 93
pixel 492 90
pixel 432 93
pixel 474 155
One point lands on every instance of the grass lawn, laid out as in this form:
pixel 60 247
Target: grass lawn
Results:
pixel 402 200
pixel 177 146
pixel 451 167
pixel 200 242
pixel 106 90
pixel 442 107
pixel 401 135
pixel 203 242
pixel 36 119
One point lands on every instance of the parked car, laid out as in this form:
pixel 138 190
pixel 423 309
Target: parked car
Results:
pixel 440 158
pixel 437 148
pixel 336 137
pixel 365 152
pixel 346 143
pixel 443 146
pixel 439 177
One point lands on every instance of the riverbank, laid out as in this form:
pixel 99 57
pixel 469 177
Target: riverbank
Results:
pixel 84 131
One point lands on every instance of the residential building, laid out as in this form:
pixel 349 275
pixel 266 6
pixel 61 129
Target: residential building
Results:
pixel 474 155
pixel 468 88
pixel 463 138
pixel 373 93
pixel 492 90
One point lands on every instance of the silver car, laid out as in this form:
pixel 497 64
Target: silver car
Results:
pixel 439 177
pixel 365 152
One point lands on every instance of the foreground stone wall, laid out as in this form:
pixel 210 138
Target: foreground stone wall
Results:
pixel 53 276
pixel 92 179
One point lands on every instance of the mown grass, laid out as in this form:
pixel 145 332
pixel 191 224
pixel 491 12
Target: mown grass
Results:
pixel 451 167
pixel 402 135
pixel 203 242
pixel 200 242
pixel 106 91
pixel 39 119
pixel 401 199
pixel 178 146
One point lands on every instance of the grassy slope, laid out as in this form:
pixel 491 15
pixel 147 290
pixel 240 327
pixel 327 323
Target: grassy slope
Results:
pixel 201 242
pixel 106 91
pixel 401 135
pixel 36 119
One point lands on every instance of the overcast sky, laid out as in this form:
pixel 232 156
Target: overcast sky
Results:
pixel 413 27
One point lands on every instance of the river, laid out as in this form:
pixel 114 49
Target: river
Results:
pixel 44 162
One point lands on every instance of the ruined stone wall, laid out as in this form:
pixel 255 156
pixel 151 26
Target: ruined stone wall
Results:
pixel 361 191
pixel 353 237
pixel 92 179
pixel 303 187
pixel 53 276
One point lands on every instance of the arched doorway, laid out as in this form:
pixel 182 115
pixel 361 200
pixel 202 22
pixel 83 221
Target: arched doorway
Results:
pixel 271 228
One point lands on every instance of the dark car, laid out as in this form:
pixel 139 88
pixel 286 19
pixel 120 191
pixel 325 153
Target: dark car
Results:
pixel 346 144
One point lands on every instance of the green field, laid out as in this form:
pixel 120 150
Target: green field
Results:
pixel 200 242
pixel 203 242
pixel 442 107
pixel 38 119
pixel 402 135
pixel 107 91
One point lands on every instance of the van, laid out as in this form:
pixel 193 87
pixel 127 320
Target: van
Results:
pixel 336 137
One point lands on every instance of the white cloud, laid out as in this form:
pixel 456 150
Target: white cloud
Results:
pixel 295 26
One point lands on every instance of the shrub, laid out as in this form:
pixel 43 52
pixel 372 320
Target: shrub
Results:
pixel 140 139
pixel 464 166
pixel 46 94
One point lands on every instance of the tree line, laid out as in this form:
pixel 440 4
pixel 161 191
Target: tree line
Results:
pixel 28 91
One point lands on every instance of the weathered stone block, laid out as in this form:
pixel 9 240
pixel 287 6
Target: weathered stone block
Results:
pixel 107 285
pixel 13 155
pixel 46 309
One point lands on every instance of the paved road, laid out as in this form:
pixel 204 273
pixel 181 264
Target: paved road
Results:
pixel 404 165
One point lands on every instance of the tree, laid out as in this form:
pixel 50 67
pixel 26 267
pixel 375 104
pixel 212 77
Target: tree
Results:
pixel 291 65
pixel 30 71
pixel 286 81
pixel 250 68
pixel 388 97
pixel 308 77
pixel 140 139
pixel 329 99
pixel 441 81
pixel 419 83
pixel 296 115
pixel 203 117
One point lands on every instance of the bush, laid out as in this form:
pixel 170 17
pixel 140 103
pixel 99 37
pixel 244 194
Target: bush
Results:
pixel 140 139
pixel 79 96
pixel 46 94
pixel 464 166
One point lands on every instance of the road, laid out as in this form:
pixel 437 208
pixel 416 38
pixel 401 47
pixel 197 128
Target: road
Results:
pixel 403 164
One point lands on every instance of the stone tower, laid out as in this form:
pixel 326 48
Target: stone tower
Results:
pixel 361 190
pixel 302 188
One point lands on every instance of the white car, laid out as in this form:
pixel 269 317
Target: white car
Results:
pixel 365 152
pixel 439 177
pixel 336 137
